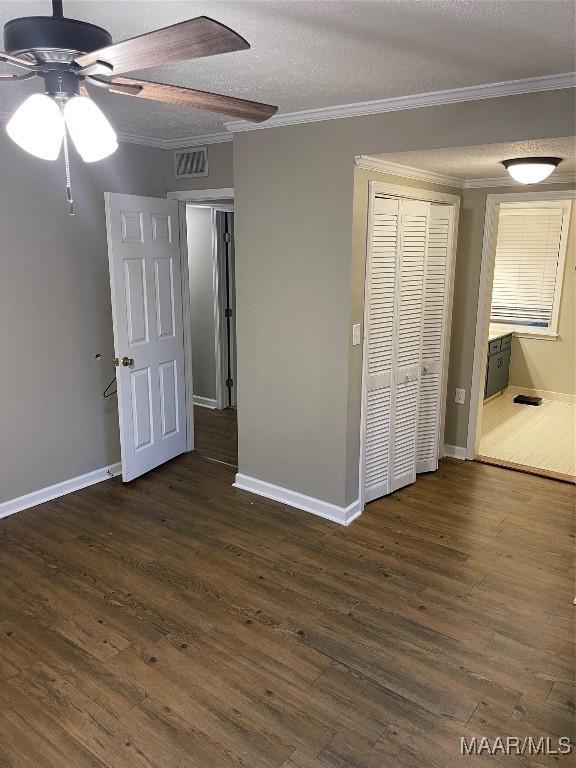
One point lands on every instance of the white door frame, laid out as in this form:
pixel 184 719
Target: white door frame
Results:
pixel 202 195
pixel 202 198
pixel 219 326
pixel 186 326
pixel 485 302
pixel 393 190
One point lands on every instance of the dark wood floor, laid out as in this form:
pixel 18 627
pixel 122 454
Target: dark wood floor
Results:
pixel 216 434
pixel 180 623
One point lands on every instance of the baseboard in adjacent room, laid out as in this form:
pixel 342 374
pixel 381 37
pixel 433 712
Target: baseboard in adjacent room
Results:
pixel 204 402
pixel 455 452
pixel 42 495
pixel 341 515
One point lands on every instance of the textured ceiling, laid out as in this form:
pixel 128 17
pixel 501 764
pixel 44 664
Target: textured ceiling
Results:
pixel 311 54
pixel 484 162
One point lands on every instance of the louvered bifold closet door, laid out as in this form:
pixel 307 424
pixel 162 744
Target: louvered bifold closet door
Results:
pixel 407 347
pixel 433 327
pixel 381 273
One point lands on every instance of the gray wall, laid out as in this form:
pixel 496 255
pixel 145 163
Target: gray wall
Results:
pixel 55 314
pixel 201 273
pixel 298 278
pixel 220 170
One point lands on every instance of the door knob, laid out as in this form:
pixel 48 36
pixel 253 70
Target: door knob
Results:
pixel 128 361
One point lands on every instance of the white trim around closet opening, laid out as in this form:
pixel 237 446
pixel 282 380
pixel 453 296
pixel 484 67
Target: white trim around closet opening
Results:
pixel 202 195
pixel 485 301
pixel 376 188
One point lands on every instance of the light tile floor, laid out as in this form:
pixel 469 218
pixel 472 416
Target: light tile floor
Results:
pixel 541 436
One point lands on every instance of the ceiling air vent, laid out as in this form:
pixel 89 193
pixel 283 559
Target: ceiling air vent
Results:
pixel 189 163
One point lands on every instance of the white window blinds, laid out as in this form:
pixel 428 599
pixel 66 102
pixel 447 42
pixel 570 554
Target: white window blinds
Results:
pixel 530 252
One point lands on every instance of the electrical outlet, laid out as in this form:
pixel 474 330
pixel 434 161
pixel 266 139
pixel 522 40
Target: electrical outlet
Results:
pixel 460 397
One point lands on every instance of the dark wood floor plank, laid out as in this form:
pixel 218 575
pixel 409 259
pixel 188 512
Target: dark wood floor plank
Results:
pixel 178 622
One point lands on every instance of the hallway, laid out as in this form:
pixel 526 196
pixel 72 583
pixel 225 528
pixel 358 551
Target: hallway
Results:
pixel 216 434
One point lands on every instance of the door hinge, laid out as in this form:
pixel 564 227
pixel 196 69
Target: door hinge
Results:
pixel 227 313
pixel 230 383
pixel 227 237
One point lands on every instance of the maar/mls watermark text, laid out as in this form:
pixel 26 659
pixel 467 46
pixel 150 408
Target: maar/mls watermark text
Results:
pixel 515 745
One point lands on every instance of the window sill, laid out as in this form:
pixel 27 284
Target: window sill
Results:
pixel 545 334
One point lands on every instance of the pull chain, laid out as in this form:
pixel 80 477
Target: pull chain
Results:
pixel 61 100
pixel 68 180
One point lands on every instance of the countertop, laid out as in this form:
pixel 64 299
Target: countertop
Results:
pixel 496 332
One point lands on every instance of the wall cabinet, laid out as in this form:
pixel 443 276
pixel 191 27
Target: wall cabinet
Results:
pixel 498 366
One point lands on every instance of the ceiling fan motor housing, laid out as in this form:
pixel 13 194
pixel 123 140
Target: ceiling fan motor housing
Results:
pixel 52 39
pixel 54 42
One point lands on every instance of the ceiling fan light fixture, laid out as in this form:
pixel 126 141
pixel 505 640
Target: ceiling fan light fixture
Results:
pixel 89 129
pixel 531 170
pixel 37 126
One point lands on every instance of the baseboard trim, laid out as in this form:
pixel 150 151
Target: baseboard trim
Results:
pixel 455 452
pixel 559 397
pixel 548 473
pixel 35 498
pixel 204 402
pixel 341 515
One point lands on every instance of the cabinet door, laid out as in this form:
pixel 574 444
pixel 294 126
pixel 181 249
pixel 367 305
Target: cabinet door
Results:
pixel 497 373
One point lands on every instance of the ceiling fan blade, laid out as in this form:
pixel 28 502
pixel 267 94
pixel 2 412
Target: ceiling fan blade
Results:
pixel 12 78
pixel 16 61
pixel 188 97
pixel 190 39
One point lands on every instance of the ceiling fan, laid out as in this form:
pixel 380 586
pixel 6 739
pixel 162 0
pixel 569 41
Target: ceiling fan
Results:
pixel 69 55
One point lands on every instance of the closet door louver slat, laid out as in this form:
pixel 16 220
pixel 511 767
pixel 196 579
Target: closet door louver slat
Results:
pixel 379 332
pixel 433 328
pixel 407 347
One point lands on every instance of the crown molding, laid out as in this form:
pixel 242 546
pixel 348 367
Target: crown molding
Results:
pixel 184 143
pixel 368 163
pixel 415 101
pixel 499 181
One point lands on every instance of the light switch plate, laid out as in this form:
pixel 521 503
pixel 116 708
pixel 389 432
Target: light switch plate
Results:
pixel 356 334
pixel 460 396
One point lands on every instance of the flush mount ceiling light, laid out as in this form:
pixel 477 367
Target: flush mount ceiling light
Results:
pixel 69 55
pixel 531 170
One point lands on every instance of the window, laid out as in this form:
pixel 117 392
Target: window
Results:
pixel 529 266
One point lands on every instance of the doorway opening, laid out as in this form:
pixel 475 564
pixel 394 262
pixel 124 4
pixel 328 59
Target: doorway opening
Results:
pixel 211 278
pixel 524 413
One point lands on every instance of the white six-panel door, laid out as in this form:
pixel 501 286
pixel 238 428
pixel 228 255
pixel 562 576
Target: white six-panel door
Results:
pixel 145 279
pixel 405 326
